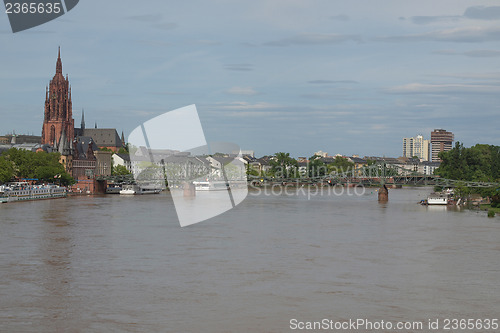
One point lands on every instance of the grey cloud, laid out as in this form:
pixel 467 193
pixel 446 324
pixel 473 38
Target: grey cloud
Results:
pixel 472 53
pixel 472 76
pixel 460 35
pixel 326 95
pixel 331 81
pixel 343 18
pixel 155 20
pixel 433 19
pixel 419 88
pixel 482 53
pixel 314 39
pixel 165 26
pixel 477 12
pixel 239 67
pixel 446 52
pixel 483 13
pixel 146 18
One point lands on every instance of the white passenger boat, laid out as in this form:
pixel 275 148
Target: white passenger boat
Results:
pixel 128 190
pixel 437 200
pixel 136 189
pixel 148 190
pixel 211 185
pixel 21 191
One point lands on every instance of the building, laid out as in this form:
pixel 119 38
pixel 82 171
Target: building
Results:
pixel 441 140
pixel 416 146
pixel 123 160
pixel 105 138
pixel 321 153
pixel 58 115
pixel 79 147
pixel 20 139
pixel 428 168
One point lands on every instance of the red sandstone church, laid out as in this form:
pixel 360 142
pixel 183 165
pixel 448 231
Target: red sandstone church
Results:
pixel 79 147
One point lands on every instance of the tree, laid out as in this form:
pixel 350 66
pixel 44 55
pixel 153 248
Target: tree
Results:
pixel 120 170
pixel 340 165
pixel 27 164
pixel 284 166
pixel 6 170
pixel 251 171
pixel 478 163
pixel 316 167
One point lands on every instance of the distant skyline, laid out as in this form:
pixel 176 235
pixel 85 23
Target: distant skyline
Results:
pixel 278 75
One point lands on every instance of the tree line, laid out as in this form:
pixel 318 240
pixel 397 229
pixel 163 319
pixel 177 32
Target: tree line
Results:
pixel 284 166
pixel 18 164
pixel 478 163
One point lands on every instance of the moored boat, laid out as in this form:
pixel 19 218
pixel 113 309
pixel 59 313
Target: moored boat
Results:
pixel 148 190
pixel 21 191
pixel 437 200
pixel 211 185
pixel 137 189
pixel 128 190
pixel 113 189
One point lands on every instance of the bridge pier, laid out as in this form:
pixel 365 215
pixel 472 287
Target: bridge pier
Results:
pixel 383 194
pixel 189 189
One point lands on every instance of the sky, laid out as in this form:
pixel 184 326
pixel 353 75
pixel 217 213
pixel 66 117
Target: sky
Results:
pixel 299 76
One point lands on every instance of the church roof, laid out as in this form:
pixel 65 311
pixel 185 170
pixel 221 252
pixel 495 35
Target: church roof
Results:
pixel 104 137
pixel 82 145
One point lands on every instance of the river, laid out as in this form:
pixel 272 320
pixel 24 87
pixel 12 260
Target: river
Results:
pixel 123 264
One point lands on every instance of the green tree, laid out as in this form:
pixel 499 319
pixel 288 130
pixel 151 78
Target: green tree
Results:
pixel 120 170
pixel 252 171
pixel 27 164
pixel 478 163
pixel 340 165
pixel 6 170
pixel 316 167
pixel 284 166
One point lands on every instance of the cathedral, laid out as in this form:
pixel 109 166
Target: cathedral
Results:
pixel 80 148
pixel 58 121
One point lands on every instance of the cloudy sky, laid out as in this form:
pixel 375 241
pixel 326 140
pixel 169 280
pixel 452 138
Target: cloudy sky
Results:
pixel 348 77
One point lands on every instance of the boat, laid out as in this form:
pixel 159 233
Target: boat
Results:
pixel 128 190
pixel 21 191
pixel 113 189
pixel 136 189
pixel 211 185
pixel 437 200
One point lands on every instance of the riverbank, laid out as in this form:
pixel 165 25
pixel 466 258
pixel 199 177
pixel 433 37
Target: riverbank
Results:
pixel 487 207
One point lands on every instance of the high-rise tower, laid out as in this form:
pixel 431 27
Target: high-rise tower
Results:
pixel 441 140
pixel 416 146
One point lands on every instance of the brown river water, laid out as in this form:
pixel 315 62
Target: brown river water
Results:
pixel 123 264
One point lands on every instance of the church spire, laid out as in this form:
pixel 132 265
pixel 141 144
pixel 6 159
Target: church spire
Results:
pixel 82 126
pixel 59 62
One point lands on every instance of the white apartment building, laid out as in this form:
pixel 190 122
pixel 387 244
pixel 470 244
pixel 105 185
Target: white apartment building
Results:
pixel 416 146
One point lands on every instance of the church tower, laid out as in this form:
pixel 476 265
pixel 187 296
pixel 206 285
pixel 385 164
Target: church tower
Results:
pixel 58 123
